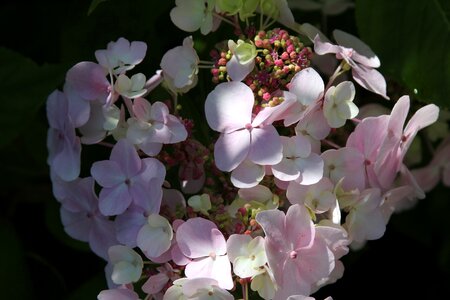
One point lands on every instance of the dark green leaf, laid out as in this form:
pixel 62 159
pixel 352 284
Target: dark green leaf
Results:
pixel 25 87
pixel 90 289
pixel 94 5
pixel 14 277
pixel 412 39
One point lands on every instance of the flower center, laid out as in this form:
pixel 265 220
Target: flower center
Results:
pixel 293 254
pixel 212 255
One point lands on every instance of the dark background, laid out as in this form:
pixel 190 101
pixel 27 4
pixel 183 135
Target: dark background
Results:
pixel 41 40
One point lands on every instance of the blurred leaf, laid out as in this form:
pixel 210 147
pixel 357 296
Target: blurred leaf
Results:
pixel 94 5
pixel 25 87
pixel 90 289
pixel 412 39
pixel 14 276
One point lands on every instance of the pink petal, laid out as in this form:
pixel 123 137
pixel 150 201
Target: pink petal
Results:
pixel 155 283
pixel 76 224
pixel 115 200
pixel 398 117
pixel 311 168
pixel 142 109
pixel 268 115
pixel 307 85
pixel 364 55
pixel 370 79
pixel 247 175
pixel 315 262
pixel 322 48
pixel 218 269
pixel 196 239
pixel 273 223
pixel 102 236
pixel 424 117
pixel 88 80
pixel 266 147
pixel 229 107
pixel 231 149
pixel 286 170
pixel 107 173
pixel 299 227
pixel 124 153
pixel 238 71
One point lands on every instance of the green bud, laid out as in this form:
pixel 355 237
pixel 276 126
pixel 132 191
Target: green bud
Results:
pixel 230 7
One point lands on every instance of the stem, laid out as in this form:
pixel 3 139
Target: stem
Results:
pixel 356 120
pixel 129 105
pixel 336 73
pixel 109 145
pixel 206 62
pixel 245 290
pixel 224 19
pixel 332 144
pixel 205 67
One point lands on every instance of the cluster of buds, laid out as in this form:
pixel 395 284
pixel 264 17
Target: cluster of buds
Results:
pixel 279 56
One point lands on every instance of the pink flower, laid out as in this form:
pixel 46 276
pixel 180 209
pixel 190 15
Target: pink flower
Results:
pixel 63 145
pixel 243 138
pixel 200 240
pixel 298 162
pixel 359 56
pixel 153 126
pixel 297 256
pixel 121 55
pixel 81 217
pixel 126 178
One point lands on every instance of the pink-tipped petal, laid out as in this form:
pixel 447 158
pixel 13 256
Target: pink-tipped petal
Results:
pixel 307 85
pixel 247 175
pixel 266 147
pixel 229 107
pixel 231 149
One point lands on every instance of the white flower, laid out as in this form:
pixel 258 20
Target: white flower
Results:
pixel 338 105
pixel 247 255
pixel 180 66
pixel 127 264
pixel 154 238
pixel 131 87
pixel 200 203
pixel 191 15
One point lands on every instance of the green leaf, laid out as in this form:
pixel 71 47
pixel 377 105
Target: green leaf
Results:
pixel 90 289
pixel 94 5
pixel 14 276
pixel 412 39
pixel 25 87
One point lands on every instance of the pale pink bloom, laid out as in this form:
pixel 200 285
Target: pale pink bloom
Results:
pixel 127 264
pixel 85 83
pixel 247 255
pixel 180 66
pixel 314 127
pixel 63 145
pixel 126 178
pixel 191 15
pixel 152 126
pixel 298 162
pixel 118 294
pixel 359 56
pixel 81 217
pixel 337 241
pixel 297 256
pixel 205 288
pixel 200 240
pixel 243 138
pixel 365 220
pixel 197 289
pixel 346 163
pixel 319 197
pixel 397 140
pixel 308 87
pixel 394 199
pixel 121 55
